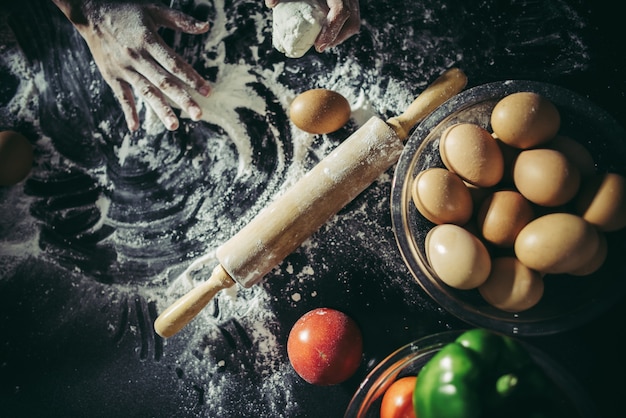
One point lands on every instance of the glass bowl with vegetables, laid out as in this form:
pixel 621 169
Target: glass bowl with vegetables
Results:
pixel 509 208
pixel 469 373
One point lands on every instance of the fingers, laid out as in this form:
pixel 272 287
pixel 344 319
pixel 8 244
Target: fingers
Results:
pixel 271 3
pixel 343 21
pixel 124 95
pixel 175 65
pixel 157 88
pixel 160 73
pixel 156 100
pixel 177 20
pixel 165 56
pixel 156 84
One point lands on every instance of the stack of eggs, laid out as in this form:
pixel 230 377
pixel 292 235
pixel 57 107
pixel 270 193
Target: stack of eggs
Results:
pixel 515 204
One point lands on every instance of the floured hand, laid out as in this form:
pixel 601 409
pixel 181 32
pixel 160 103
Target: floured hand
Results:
pixel 130 54
pixel 342 21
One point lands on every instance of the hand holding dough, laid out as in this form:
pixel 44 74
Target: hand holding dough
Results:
pixel 342 20
pixel 296 25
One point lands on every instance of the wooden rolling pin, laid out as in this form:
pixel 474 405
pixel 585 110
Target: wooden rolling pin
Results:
pixel 294 216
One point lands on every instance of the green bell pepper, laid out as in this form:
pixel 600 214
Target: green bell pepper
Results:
pixel 483 374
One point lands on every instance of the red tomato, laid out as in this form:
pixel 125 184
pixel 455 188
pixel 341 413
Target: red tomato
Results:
pixel 398 399
pixel 325 347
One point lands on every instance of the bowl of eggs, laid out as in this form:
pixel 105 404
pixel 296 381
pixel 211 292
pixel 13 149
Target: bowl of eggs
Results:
pixel 509 207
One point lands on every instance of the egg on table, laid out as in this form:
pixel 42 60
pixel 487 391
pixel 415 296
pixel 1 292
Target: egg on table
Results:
pixel 320 111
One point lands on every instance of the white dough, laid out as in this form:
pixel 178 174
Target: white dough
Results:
pixel 295 26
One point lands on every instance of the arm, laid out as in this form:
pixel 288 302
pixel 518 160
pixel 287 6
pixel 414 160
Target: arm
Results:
pixel 122 37
pixel 343 21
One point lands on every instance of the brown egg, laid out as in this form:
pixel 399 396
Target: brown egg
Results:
pixel 546 177
pixel 502 216
pixel 441 196
pixel 509 155
pixel 596 261
pixel 525 119
pixel 16 158
pixel 511 286
pixel 458 258
pixel 470 151
pixel 319 111
pixel 575 152
pixel 557 243
pixel 602 201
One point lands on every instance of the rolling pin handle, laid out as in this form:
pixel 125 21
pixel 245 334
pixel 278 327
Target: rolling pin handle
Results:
pixel 182 311
pixel 444 87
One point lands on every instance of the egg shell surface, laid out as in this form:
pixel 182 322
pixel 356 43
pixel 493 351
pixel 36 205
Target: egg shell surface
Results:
pixel 458 258
pixel 575 152
pixel 511 286
pixel 557 243
pixel 442 197
pixel 597 260
pixel 525 119
pixel 319 111
pixel 602 201
pixel 546 177
pixel 470 151
pixel 502 216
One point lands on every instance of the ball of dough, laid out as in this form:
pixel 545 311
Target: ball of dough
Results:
pixel 295 26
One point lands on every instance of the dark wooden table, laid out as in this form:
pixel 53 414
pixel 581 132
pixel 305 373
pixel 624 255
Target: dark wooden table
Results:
pixel 92 242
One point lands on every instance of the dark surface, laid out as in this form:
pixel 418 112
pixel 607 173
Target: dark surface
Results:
pixel 76 312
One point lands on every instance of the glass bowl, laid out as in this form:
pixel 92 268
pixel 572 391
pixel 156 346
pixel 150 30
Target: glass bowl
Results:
pixel 568 301
pixel 409 359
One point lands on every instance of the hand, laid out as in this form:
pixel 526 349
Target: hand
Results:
pixel 343 21
pixel 130 54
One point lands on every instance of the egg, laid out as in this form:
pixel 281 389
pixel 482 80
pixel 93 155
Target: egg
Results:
pixel 545 177
pixel 319 111
pixel 525 119
pixel 596 261
pixel 441 196
pixel 458 258
pixel 575 152
pixel 602 201
pixel 470 151
pixel 557 243
pixel 502 216
pixel 16 158
pixel 509 154
pixel 511 286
